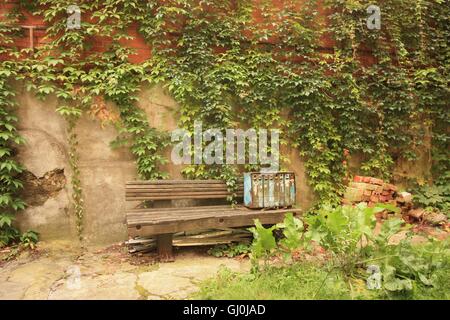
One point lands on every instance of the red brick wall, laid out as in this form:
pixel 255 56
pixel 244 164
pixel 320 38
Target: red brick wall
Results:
pixel 142 50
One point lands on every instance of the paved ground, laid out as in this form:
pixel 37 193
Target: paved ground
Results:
pixel 59 270
pixel 62 270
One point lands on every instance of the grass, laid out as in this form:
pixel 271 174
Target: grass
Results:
pixel 306 281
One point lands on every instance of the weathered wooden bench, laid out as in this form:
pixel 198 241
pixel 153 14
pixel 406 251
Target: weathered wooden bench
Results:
pixel 164 222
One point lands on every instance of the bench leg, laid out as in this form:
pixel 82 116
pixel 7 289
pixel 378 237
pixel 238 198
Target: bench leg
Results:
pixel 164 243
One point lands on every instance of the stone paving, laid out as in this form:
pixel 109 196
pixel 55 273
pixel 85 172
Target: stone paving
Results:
pixel 60 270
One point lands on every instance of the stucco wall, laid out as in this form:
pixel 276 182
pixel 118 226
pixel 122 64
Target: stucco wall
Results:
pixel 104 170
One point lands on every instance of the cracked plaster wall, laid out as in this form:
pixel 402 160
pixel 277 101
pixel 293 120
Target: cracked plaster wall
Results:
pixel 104 171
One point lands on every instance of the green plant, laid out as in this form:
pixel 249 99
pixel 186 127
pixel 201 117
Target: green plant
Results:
pixel 8 234
pixel 229 250
pixel 29 239
pixel 433 197
pixel 264 243
pixel 348 232
pixel 10 169
pixel 407 267
pixel 292 235
pixel 72 114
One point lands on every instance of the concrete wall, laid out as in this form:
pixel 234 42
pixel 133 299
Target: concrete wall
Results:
pixel 104 170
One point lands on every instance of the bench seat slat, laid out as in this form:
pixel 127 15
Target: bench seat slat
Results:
pixel 177 193
pixel 151 217
pixel 167 220
pixel 174 209
pixel 161 216
pixel 174 182
pixel 186 188
pixel 217 196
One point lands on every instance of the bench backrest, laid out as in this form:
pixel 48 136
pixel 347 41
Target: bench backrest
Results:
pixel 178 189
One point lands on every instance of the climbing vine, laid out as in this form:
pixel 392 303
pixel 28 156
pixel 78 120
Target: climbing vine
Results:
pixel 10 169
pixel 311 69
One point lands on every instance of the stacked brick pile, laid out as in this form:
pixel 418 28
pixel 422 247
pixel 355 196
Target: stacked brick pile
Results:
pixel 370 190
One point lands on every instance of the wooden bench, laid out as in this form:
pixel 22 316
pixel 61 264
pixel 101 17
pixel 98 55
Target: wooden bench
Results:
pixel 164 222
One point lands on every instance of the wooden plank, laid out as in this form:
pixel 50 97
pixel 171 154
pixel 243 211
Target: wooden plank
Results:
pixel 178 193
pixel 140 241
pixel 156 218
pixel 177 210
pixel 162 218
pixel 159 220
pixel 207 237
pixel 160 190
pixel 237 220
pixel 168 182
pixel 183 192
pixel 176 213
pixel 192 213
pixel 174 209
pixel 211 211
pixel 178 186
pixel 177 197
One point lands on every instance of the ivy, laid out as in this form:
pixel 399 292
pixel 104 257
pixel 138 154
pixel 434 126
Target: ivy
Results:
pixel 72 114
pixel 10 169
pixel 311 69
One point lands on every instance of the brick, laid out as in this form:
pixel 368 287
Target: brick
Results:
pixel 367 193
pixel 366 179
pixel 359 185
pixel 390 187
pixel 375 198
pixel 372 187
pixel 346 202
pixel 358 179
pixel 353 194
pixel 376 181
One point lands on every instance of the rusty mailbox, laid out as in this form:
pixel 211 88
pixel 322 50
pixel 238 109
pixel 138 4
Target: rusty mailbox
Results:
pixel 269 190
